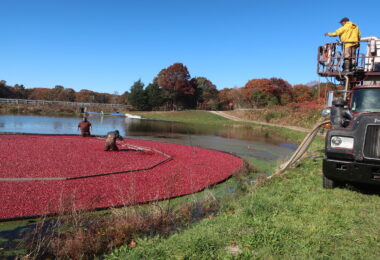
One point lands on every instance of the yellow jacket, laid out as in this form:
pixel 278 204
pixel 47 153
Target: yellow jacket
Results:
pixel 348 33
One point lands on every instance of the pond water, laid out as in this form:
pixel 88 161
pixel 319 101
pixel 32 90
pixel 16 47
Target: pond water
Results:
pixel 256 145
pixel 247 142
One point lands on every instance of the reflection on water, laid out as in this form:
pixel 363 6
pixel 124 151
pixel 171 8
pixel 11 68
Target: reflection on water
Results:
pixel 240 140
pixel 163 129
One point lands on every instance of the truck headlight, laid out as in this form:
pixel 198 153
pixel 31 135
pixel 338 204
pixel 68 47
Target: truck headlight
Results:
pixel 342 142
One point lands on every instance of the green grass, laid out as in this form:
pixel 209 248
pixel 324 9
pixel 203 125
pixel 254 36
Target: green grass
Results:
pixel 286 218
pixel 188 116
pixel 283 115
pixel 289 217
pixel 266 166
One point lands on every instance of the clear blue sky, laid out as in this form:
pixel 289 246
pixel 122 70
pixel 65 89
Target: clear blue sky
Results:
pixel 107 45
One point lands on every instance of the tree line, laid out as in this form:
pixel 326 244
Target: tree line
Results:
pixel 59 93
pixel 173 89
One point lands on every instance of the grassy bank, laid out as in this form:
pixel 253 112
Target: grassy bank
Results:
pixel 187 116
pixel 288 217
pixel 281 115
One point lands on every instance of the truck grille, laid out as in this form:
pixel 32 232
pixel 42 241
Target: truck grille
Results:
pixel 372 142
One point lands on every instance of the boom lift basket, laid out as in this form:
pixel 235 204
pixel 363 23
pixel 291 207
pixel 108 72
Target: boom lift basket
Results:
pixel 330 59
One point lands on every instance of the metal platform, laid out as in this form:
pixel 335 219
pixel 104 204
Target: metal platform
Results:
pixel 366 60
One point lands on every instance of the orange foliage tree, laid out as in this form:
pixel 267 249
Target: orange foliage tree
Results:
pixel 175 79
pixel 285 90
pixel 68 94
pixel 225 98
pixel 302 93
pixel 41 94
pixel 238 97
pixel 264 86
pixel 85 95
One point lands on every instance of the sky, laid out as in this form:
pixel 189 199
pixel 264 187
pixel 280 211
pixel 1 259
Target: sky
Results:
pixel 107 45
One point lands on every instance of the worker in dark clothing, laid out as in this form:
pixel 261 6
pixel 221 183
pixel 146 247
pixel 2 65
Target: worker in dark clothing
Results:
pixel 85 126
pixel 111 140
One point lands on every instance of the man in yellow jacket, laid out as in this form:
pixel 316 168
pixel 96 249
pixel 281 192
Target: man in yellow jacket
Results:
pixel 349 34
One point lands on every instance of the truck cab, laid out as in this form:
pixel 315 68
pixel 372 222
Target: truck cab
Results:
pixel 352 145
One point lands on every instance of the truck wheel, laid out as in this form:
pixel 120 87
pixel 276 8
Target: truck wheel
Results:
pixel 328 183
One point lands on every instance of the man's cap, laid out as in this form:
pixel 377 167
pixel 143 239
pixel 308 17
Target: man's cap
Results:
pixel 345 19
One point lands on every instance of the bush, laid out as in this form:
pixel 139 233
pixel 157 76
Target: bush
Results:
pixel 261 99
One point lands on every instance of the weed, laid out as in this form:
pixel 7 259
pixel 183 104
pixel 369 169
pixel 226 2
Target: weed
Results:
pixel 81 235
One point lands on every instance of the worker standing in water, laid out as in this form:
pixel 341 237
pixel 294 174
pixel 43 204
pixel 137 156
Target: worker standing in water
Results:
pixel 349 34
pixel 85 126
pixel 111 140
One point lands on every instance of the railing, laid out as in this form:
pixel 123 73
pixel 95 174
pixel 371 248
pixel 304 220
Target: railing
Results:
pixel 67 103
pixel 331 58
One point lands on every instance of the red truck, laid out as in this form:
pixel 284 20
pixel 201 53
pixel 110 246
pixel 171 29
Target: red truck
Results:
pixel 352 148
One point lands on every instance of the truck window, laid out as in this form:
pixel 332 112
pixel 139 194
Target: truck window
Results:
pixel 366 100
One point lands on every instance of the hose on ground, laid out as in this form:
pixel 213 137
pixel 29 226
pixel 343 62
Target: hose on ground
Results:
pixel 301 150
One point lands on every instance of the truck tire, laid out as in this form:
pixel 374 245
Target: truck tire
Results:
pixel 329 183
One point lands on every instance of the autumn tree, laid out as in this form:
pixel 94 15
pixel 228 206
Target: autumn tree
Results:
pixel 41 94
pixel 285 90
pixel 225 99
pixel 302 93
pixel 175 79
pixel 238 97
pixel 266 86
pixel 113 98
pixel 67 94
pixel 103 98
pixel 85 96
pixel 58 93
pixel 55 92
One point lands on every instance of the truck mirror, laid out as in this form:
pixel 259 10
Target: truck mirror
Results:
pixel 330 98
pixel 326 113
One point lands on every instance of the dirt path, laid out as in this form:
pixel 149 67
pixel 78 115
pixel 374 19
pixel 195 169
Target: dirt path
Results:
pixel 234 118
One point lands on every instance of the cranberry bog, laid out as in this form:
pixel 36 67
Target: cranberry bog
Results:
pixel 50 174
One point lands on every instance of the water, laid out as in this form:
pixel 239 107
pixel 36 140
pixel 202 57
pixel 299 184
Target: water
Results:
pixel 253 144
pixel 246 142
